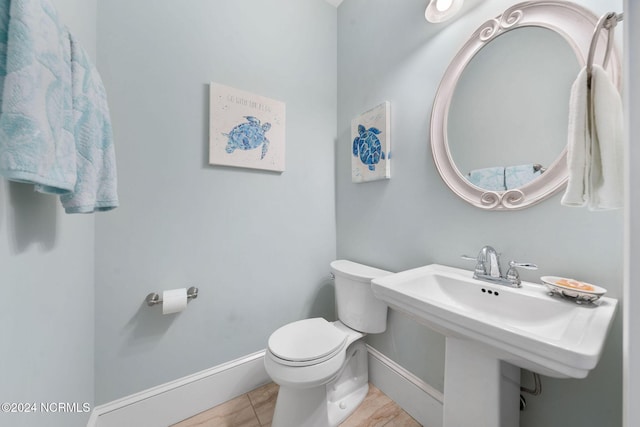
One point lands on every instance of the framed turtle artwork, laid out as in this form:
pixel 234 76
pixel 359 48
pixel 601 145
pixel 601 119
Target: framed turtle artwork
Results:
pixel 245 130
pixel 371 145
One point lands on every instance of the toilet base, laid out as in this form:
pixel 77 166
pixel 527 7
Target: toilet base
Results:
pixel 329 404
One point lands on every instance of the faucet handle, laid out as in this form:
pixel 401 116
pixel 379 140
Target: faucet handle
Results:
pixel 480 268
pixel 527 265
pixel 512 274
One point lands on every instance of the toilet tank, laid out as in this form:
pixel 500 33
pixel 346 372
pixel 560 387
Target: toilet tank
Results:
pixel 357 307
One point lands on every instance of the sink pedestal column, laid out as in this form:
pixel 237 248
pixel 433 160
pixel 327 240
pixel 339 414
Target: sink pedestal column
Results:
pixel 479 389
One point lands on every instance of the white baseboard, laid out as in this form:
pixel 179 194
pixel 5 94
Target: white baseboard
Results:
pixel 416 397
pixel 180 399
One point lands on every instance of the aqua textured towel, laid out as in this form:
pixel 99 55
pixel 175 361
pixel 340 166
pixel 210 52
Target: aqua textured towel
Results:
pixel 95 188
pixel 491 179
pixel 36 138
pixel 55 129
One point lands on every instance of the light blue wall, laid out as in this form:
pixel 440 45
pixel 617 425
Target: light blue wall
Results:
pixel 257 244
pixel 387 51
pixel 46 308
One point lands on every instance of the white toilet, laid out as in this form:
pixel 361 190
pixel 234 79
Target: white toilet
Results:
pixel 321 367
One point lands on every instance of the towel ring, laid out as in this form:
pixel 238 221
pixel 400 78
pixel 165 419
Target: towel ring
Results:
pixel 608 22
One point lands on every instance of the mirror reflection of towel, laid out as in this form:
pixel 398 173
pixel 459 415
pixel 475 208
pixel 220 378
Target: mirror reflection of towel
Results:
pixel 517 176
pixel 491 179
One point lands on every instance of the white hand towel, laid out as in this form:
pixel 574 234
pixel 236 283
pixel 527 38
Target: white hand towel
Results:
pixel 606 175
pixel 577 144
pixel 595 156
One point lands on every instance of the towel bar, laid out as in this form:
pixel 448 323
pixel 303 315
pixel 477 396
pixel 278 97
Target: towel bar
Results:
pixel 153 298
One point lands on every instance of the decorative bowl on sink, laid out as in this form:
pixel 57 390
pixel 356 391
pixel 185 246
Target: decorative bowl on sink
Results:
pixel 522 326
pixel 579 292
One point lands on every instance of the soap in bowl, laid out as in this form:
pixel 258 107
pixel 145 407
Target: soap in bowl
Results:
pixel 573 289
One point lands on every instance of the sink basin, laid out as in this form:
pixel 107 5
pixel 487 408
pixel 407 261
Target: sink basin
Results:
pixel 522 326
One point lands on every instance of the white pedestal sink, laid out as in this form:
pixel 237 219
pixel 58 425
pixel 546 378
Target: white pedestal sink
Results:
pixel 480 389
pixel 491 332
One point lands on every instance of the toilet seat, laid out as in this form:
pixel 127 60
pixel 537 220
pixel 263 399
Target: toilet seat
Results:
pixel 306 342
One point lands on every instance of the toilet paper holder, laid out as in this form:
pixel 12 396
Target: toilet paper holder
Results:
pixel 153 298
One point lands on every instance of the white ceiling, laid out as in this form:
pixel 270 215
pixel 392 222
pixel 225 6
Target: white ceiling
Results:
pixel 335 3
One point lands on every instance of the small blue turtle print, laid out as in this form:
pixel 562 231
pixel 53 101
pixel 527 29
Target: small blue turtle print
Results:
pixel 247 136
pixel 368 146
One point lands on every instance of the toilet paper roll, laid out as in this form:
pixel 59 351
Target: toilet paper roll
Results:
pixel 174 300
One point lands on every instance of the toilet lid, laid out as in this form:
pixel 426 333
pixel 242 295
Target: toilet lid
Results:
pixel 306 340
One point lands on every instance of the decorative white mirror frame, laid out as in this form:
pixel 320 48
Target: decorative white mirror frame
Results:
pixel 576 25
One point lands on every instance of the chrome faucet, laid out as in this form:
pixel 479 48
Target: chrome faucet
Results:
pixel 488 268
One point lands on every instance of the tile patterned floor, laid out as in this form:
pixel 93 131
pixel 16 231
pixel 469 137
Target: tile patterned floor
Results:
pixel 255 409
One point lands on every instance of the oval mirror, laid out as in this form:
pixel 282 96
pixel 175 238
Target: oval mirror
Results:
pixel 500 116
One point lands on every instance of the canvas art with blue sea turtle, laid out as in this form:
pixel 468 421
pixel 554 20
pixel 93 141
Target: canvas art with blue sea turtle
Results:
pixel 248 136
pixel 371 144
pixel 367 146
pixel 246 130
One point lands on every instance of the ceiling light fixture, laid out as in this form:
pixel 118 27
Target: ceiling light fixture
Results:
pixel 442 10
